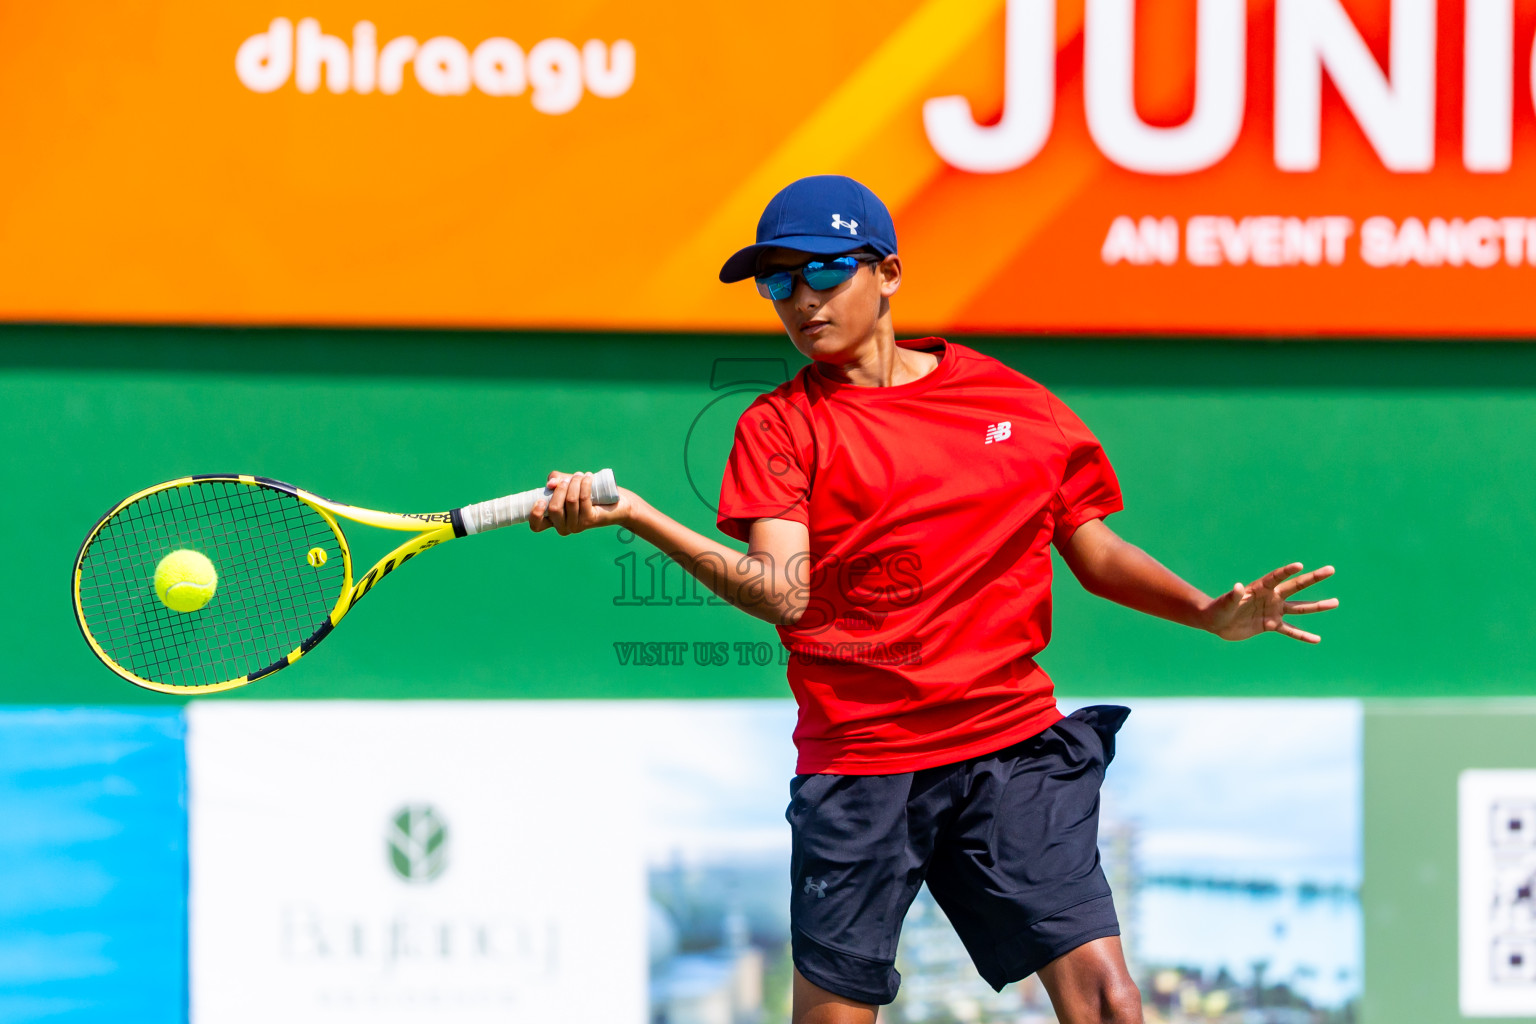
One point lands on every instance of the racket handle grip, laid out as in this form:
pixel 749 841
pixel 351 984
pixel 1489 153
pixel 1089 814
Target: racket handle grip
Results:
pixel 518 508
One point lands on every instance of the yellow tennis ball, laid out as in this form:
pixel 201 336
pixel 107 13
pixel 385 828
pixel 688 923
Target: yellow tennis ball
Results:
pixel 185 580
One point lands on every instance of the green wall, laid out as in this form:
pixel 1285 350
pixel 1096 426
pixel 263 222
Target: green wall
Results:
pixel 1409 466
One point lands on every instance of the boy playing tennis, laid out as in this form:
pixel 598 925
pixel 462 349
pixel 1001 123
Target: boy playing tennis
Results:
pixel 899 501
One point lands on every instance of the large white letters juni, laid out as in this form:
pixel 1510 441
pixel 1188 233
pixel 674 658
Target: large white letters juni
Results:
pixel 1394 107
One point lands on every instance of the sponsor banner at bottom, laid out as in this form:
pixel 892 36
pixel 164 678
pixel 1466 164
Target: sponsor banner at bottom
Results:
pixel 405 861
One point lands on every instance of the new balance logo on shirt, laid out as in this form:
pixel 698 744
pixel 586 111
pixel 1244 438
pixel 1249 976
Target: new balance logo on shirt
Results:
pixel 999 431
pixel 838 224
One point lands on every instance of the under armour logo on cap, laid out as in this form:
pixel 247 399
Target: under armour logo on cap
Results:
pixel 800 219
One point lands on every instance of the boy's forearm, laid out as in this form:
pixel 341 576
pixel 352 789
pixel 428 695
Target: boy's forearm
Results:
pixel 746 581
pixel 1122 572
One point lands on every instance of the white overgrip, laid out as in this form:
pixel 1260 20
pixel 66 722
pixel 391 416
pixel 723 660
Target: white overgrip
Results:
pixel 518 508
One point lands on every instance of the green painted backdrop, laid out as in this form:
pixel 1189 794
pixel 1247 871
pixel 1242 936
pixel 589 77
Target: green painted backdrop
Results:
pixel 1407 465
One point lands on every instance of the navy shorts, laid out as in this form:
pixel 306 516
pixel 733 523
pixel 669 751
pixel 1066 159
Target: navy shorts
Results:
pixel 1008 844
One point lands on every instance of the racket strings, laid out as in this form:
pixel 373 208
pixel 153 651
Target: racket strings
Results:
pixel 247 609
pixel 268 600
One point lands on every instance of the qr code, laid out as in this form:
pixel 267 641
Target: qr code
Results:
pixel 1497 845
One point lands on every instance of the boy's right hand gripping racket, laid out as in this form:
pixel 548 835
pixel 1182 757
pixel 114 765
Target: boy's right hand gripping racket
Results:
pixel 273 558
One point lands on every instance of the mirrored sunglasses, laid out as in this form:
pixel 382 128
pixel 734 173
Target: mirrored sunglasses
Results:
pixel 819 275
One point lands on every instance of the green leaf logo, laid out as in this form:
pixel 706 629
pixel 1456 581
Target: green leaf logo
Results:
pixel 418 843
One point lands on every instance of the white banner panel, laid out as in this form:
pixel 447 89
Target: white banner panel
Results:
pixel 414 861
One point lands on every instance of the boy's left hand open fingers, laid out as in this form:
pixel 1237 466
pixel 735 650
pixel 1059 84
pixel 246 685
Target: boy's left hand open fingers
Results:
pixel 1304 581
pixel 1308 607
pixel 1273 579
pixel 1299 634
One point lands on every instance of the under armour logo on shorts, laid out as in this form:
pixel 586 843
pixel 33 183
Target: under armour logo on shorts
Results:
pixel 999 431
pixel 838 223
pixel 812 887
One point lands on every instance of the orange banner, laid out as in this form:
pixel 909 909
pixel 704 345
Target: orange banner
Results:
pixel 1275 166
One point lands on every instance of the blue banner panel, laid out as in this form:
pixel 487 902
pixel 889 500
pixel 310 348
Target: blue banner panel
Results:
pixel 93 865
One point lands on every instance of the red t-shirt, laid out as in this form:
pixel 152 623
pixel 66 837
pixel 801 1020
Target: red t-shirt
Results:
pixel 931 508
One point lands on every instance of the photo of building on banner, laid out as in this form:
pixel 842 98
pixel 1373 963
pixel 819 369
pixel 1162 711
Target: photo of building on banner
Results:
pixel 1239 898
pixel 1341 167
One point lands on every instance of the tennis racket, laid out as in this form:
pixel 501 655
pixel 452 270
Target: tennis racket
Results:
pixel 284 574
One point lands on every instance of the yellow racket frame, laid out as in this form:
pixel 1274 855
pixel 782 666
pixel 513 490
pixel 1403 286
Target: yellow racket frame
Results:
pixel 431 529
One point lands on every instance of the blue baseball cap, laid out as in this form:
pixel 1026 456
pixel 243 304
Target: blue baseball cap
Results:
pixel 822 215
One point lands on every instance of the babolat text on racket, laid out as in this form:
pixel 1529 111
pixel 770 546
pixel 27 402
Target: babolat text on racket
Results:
pixel 209 582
